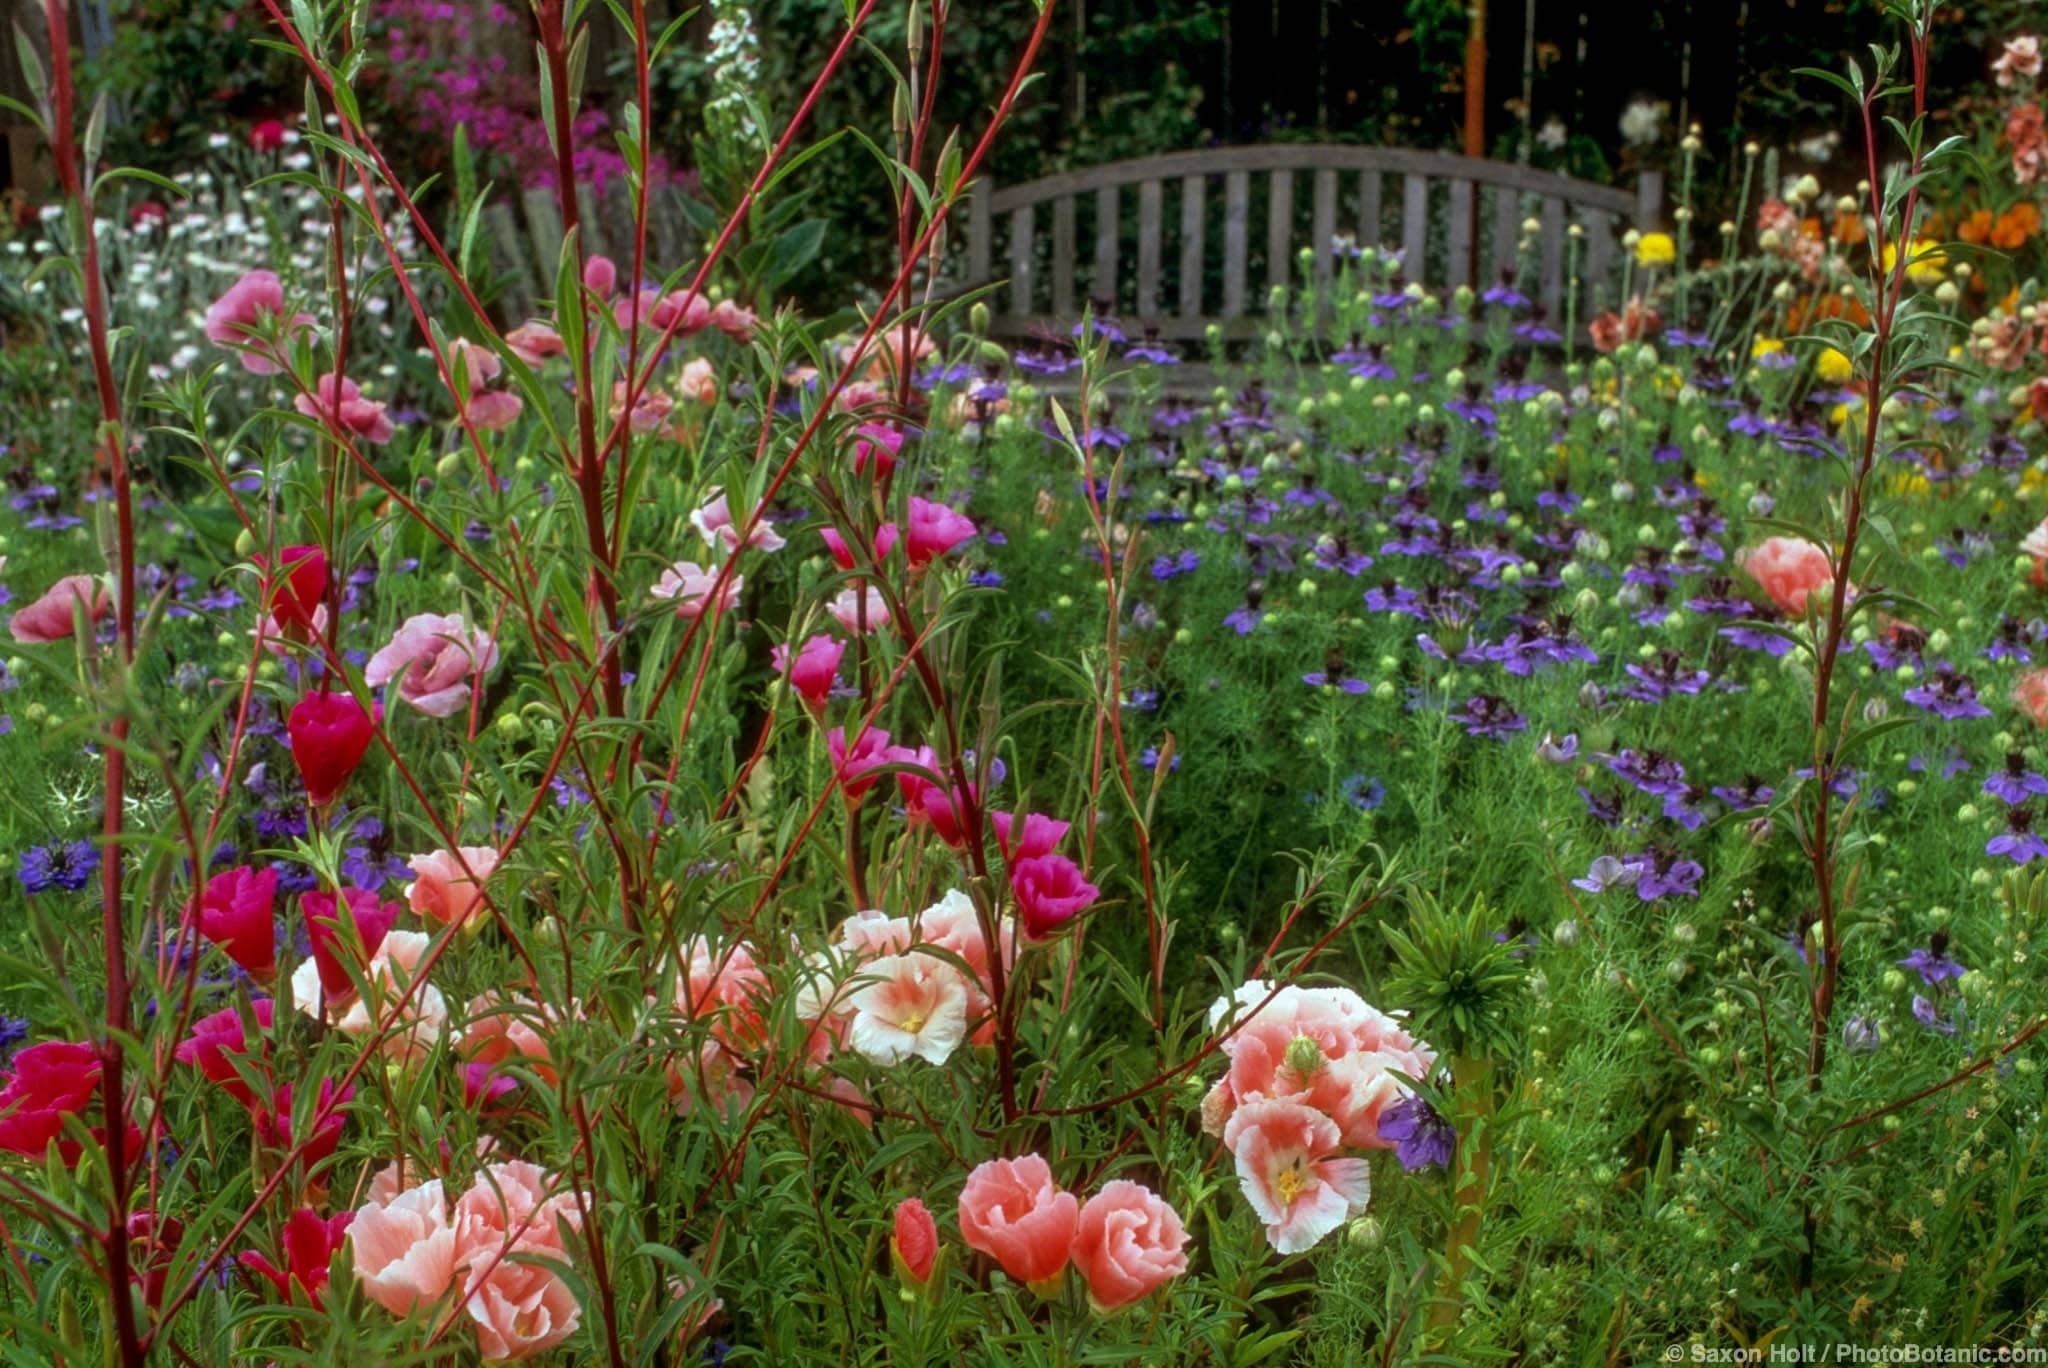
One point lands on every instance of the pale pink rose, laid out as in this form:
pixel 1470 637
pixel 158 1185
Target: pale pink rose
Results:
pixel 1127 1242
pixel 1282 1151
pixel 690 585
pixel 413 1028
pixel 404 1249
pixel 436 659
pixel 253 305
pixel 698 382
pixel 714 523
pixel 534 343
pixel 912 1004
pixel 54 616
pixel 448 886
pixel 1789 570
pixel 1011 1211
pixel 345 408
pixel 858 612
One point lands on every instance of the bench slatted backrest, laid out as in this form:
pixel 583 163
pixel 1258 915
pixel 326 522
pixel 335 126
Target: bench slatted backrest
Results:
pixel 1169 252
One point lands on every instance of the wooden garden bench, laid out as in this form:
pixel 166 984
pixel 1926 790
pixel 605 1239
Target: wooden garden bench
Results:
pixel 1457 220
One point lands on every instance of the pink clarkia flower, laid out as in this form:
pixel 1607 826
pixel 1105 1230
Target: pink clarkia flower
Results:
pixel 1051 891
pixel 600 276
pixel 237 913
pixel 448 886
pixel 436 659
pixel 859 612
pixel 218 1041
pixel 252 306
pixel 1034 836
pixel 294 590
pixel 1127 1242
pixel 535 342
pixel 932 530
pixel 927 801
pixel 714 524
pixel 912 1005
pixel 415 1011
pixel 504 1030
pixel 2019 63
pixel 842 554
pixel 404 1248
pixel 732 320
pixel 877 443
pixel 851 763
pixel 1012 1211
pixel 2030 696
pixel 344 407
pixel 54 616
pixel 328 1117
pixel 697 381
pixel 476 367
pixel 690 585
pixel 267 136
pixel 814 668
pixel 1282 1151
pixel 913 1242
pixel 45 1083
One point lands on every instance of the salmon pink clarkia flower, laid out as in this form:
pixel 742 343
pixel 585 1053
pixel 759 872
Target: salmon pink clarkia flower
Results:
pixel 330 733
pixel 732 320
pixel 404 1249
pixel 436 659
pixel 448 886
pixel 1282 1150
pixel 859 612
pixel 1789 570
pixel 1012 1211
pixel 534 343
pixel 252 306
pixel 913 1242
pixel 54 616
pixel 714 523
pixel 2030 696
pixel 933 529
pixel 237 913
pixel 342 405
pixel 1127 1242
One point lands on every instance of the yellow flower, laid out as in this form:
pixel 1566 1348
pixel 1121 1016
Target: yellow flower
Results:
pixel 1833 366
pixel 1765 346
pixel 1656 249
pixel 1924 266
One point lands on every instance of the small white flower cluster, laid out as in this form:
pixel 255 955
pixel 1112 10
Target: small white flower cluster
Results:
pixel 735 60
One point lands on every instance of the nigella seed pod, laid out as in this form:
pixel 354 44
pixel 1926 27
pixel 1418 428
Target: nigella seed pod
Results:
pixel 1860 1035
pixel 1566 933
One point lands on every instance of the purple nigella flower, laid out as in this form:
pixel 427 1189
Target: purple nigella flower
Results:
pixel 1928 1015
pixel 1603 808
pixel 1552 751
pixel 1607 872
pixel 1685 807
pixel 1752 792
pixel 1363 793
pixel 1931 961
pixel 66 864
pixel 1660 874
pixel 2018 843
pixel 1754 638
pixel 1490 715
pixel 1947 694
pixel 13 1030
pixel 2011 642
pixel 2015 782
pixel 1243 620
pixel 1651 771
pixel 1149 759
pixel 1421 1137
pixel 1321 680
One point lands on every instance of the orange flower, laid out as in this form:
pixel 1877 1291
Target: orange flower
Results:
pixel 2015 226
pixel 1976 228
pixel 1849 229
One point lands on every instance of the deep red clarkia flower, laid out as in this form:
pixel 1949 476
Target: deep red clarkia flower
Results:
pixel 217 1042
pixel 275 1127
pixel 330 732
pixel 310 1240
pixel 236 912
pixel 1051 891
pixel 294 590
pixel 333 952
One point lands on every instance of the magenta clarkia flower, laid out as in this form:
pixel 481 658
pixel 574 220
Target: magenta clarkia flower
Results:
pixel 814 668
pixel 329 733
pixel 1051 891
pixel 237 913
pixel 932 530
